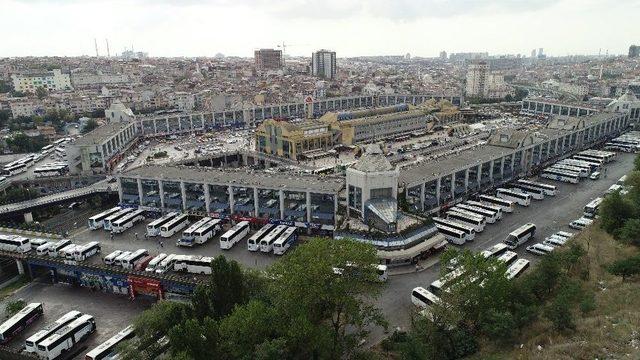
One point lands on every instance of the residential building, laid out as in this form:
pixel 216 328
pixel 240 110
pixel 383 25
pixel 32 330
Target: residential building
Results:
pixel 293 140
pixel 634 51
pixel 323 64
pixel 52 81
pixel 268 59
pixel 484 84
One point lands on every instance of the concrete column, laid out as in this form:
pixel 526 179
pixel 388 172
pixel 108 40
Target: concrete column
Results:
pixel 281 195
pixel 207 198
pixel 335 210
pixel 308 198
pixel 231 204
pixel 453 186
pixel 491 171
pixel 502 168
pixel 479 175
pixel 20 267
pixel 139 182
pixel 256 203
pixel 28 217
pixel 183 192
pixel 438 182
pixel 161 192
pixel 120 191
pixel 422 192
pixel 466 180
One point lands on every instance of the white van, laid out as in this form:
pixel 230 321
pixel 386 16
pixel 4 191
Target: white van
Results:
pixel 595 175
pixel 580 223
pixel 423 298
pixel 540 249
pixel 109 259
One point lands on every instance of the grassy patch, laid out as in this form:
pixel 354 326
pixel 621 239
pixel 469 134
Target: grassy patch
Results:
pixel 9 289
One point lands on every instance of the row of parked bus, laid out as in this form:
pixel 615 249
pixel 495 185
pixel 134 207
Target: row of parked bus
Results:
pixel 273 238
pixel 140 260
pixel 424 298
pixel 116 220
pixel 200 232
pixel 629 142
pixel 585 164
pixel 63 249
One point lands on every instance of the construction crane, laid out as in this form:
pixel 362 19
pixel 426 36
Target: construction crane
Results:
pixel 284 46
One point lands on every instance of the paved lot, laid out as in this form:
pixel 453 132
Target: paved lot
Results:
pixel 550 215
pixel 111 313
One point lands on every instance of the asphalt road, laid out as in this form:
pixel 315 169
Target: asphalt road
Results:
pixel 550 215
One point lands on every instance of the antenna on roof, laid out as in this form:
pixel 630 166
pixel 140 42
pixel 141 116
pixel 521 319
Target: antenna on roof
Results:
pixel 95 42
pixel 107 41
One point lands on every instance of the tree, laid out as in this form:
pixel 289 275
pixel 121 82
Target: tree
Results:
pixel 630 232
pixel 315 306
pixel 21 143
pixel 194 340
pixel 14 306
pixel 625 267
pixel 249 326
pixel 41 92
pixel 90 125
pixel 636 163
pixel 226 286
pixel 614 211
pixel 559 312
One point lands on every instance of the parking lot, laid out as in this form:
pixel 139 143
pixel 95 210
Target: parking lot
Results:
pixel 111 313
pixel 549 215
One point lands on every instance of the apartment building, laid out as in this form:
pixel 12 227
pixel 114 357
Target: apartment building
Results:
pixel 51 80
pixel 323 64
pixel 268 59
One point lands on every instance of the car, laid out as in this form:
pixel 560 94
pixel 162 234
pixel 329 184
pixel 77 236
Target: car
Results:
pixel 555 241
pixel 595 175
pixel 540 249
pixel 580 223
pixel 74 205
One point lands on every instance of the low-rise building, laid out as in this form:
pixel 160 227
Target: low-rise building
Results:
pixel 52 80
pixel 293 140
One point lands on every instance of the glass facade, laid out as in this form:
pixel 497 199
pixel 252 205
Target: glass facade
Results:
pixel 195 198
pixel 130 194
pixel 295 206
pixel 243 203
pixel 172 195
pixel 151 193
pixel 219 199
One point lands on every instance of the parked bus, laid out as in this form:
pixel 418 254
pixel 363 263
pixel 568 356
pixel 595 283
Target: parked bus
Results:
pixel 153 228
pixel 285 240
pixel 517 268
pixel 536 194
pixel 234 235
pixel 266 244
pixel 49 171
pixel 153 264
pixel 55 248
pixel 132 260
pixel 490 216
pixel 517 197
pixel 506 205
pixel 47 148
pixel 437 286
pixel 33 340
pixel 188 236
pixel 495 251
pixel 97 221
pixel 194 264
pixel 178 223
pixel 575 164
pixel 496 209
pixel 605 156
pixel 20 321
pixel 582 163
pixel 582 172
pixel 549 190
pixel 111 258
pixel 37 242
pixel 43 249
pixel 475 221
pixel 616 146
pixel 558 175
pixel 121 258
pixel 207 231
pixel 253 243
pixel 108 221
pixel 470 232
pixel 87 250
pixel 64 339
pixel 14 169
pixel 622 180
pixel 508 257
pixel 591 209
pixel 107 350
pixel 166 264
pixel 14 243
pixel 423 298
pixel 520 235
pixel 452 235
pixel 589 159
pixel 127 221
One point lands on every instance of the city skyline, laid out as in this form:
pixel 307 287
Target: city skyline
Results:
pixel 351 28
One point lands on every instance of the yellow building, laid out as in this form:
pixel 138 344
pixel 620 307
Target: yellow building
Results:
pixel 292 140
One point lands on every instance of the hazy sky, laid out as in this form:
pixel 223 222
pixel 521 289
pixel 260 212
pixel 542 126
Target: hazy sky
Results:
pixel 350 27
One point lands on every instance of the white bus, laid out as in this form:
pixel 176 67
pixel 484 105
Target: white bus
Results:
pixel 495 251
pixel 618 146
pixel 127 221
pixel 508 257
pixel 175 225
pixel 622 180
pixel 153 264
pixel 35 243
pixel 55 248
pixel 520 235
pixel 20 321
pixel 207 231
pixel 266 244
pixel 517 197
pixel 423 298
pixel 476 222
pixel 108 221
pixel 132 260
pixel 469 231
pixel 153 228
pixel 110 259
pixel 517 268
pixel 558 175
pixel 506 205
pixel 589 160
pixel 452 235
pixel 606 156
pixel 494 208
pixel 46 149
pixel 87 250
pixel 591 209
pixel 15 169
pixel 576 164
pixel 97 221
pixel 254 240
pixel 188 236
pixel 437 286
pixel 65 338
pixel 43 249
pixel 582 172
pixel 14 243
pixel 121 258
pixel 194 264
pixel 234 235
pixel 490 215
pixel 285 240
pixel 33 340
pixel 536 194
pixel 582 163
pixel 166 264
pixel 49 171
pixel 549 190
pixel 107 350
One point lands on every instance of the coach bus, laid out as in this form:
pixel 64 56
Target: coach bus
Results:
pixel 589 160
pixel 33 340
pixel 107 350
pixel 506 205
pixel 591 209
pixel 549 190
pixel 605 156
pixel 470 232
pixel 253 243
pixel 558 175
pixel 176 224
pixel 97 221
pixel 153 228
pixel 423 298
pixel 517 268
pixel 495 251
pixel 452 235
pixel 55 249
pixel 582 172
pixel 194 264
pixel 490 215
pixel 153 264
pixel 65 338
pixel 127 221
pixel 517 197
pixel 285 240
pixel 87 250
pixel 14 243
pixel 478 204
pixel 536 194
pixel 266 244
pixel 475 221
pixel 207 231
pixel 234 235
pixel 20 321
pixel 188 236
pixel 132 260
pixel 520 235
pixel 108 222
pixel 437 286
pixel 508 258
pixel 15 169
pixel 581 163
pixel 49 171
pixel 576 164
pixel 166 264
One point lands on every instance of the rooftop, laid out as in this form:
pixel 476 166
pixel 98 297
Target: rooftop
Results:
pixel 247 178
pixel 101 134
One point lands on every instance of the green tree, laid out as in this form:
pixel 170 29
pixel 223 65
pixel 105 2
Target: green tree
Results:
pixel 21 143
pixel 249 326
pixel 614 211
pixel 14 306
pixel 226 286
pixel 636 163
pixel 41 92
pixel 559 312
pixel 630 232
pixel 625 267
pixel 90 125
pixel 194 339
